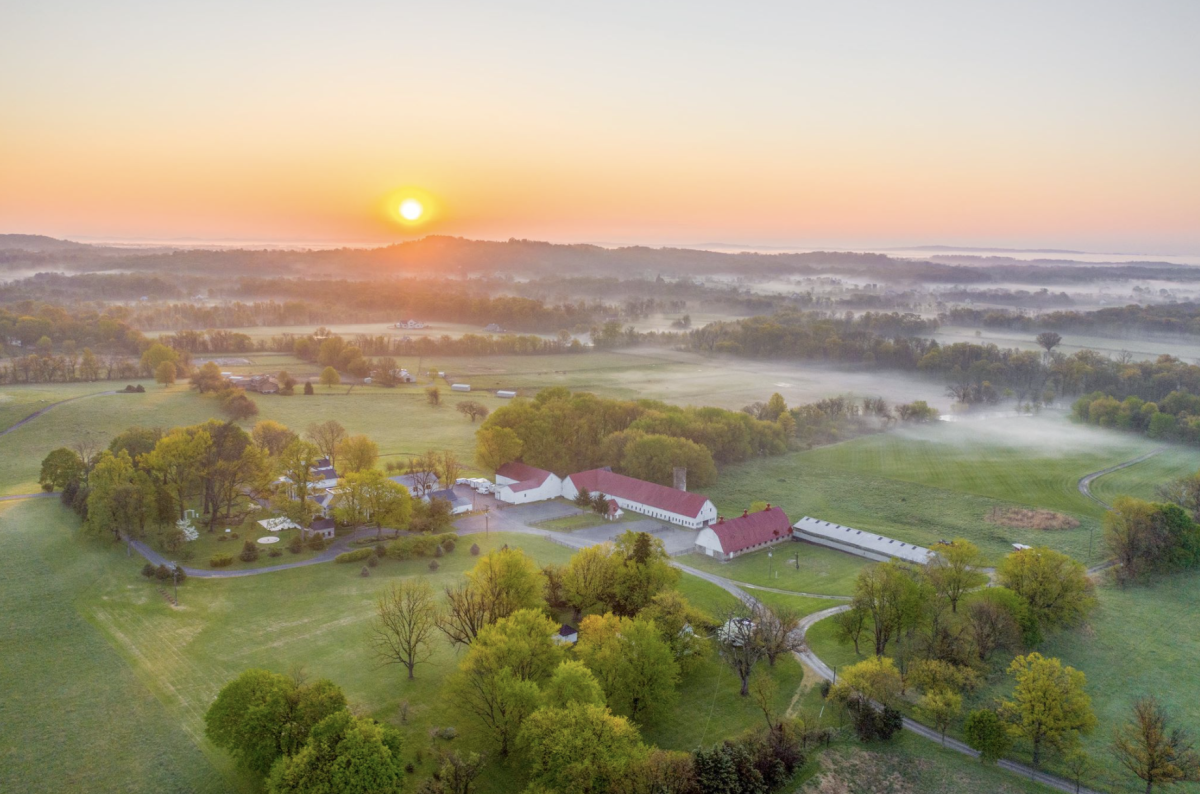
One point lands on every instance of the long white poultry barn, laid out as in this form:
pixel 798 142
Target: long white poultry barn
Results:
pixel 856 541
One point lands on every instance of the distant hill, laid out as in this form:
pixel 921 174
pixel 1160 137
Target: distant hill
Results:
pixel 38 242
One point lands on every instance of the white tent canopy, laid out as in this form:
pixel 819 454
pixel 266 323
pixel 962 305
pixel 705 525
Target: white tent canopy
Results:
pixel 278 524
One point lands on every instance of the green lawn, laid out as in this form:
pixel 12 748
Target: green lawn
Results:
pixel 941 481
pixel 18 402
pixel 820 570
pixel 1142 479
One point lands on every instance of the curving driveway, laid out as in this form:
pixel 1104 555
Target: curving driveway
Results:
pixel 1085 482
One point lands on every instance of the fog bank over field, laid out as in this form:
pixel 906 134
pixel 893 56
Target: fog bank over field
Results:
pixel 730 382
pixel 1050 434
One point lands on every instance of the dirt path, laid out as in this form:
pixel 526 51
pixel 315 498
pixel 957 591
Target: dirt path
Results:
pixel 1085 482
pixel 41 411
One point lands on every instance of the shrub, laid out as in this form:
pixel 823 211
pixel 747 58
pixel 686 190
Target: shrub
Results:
pixel 221 560
pixel 249 552
pixel 148 570
pixel 373 560
pixel 222 538
pixel 187 554
pixel 296 545
pixel 162 573
pixel 439 551
pixel 449 543
pixel 433 565
pixel 275 553
pixel 233 536
pixel 412 546
pixel 316 543
pixel 357 555
pixel 365 571
pixel 381 549
pixel 474 549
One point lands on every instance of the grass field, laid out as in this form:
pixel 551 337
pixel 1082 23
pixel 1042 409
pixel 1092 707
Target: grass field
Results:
pixel 941 481
pixel 1139 641
pixel 1142 479
pixel 820 570
pixel 1145 349
pixel 140 673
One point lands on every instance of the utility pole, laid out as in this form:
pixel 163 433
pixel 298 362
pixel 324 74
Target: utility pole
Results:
pixel 770 563
pixel 175 577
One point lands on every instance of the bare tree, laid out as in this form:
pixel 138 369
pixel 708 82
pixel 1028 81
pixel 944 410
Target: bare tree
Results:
pixel 327 436
pixel 849 626
pixel 466 613
pixel 451 467
pixel 1154 751
pixel 738 644
pixel 777 631
pixel 472 409
pixel 423 471
pixel 406 618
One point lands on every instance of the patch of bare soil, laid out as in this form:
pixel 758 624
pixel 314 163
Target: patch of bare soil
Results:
pixel 1024 518
pixel 863 772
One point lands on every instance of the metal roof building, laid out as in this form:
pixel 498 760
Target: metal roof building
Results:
pixel 856 541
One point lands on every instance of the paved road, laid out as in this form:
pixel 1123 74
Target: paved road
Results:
pixel 1085 482
pixel 41 411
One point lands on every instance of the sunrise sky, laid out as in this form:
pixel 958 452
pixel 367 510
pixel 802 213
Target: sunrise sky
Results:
pixel 1066 124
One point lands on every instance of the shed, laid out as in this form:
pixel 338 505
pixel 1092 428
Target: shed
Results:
pixel 506 394
pixel 460 387
pixel 324 527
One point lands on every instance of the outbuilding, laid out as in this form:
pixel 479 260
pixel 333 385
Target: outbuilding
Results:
pixel 728 538
pixel 675 505
pixel 518 483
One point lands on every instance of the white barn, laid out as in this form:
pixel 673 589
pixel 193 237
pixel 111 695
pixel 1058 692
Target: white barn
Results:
pixel 728 538
pixel 647 498
pixel 518 483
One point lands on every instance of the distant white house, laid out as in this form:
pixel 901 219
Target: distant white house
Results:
pixel 647 498
pixel 517 484
pixel 413 324
pixel 566 635
pixel 492 328
pixel 418 484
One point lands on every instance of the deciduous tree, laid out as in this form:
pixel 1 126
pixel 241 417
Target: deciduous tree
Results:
pixel 632 662
pixel 357 453
pixel 1150 748
pixel 327 435
pixel 580 747
pixel 346 754
pixel 1056 587
pixel 495 446
pixel 1049 706
pixel 406 618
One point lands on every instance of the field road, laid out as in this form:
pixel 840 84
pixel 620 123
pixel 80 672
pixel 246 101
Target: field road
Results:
pixel 41 411
pixel 1085 482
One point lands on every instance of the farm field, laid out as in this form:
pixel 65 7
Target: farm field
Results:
pixel 1140 349
pixel 160 666
pixel 1137 642
pixel 942 481
pixel 399 420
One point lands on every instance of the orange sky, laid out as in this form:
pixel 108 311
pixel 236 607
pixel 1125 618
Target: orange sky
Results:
pixel 865 124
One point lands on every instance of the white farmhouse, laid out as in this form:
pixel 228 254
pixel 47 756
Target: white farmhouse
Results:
pixel 518 484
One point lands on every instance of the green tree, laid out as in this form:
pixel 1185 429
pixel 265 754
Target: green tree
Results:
pixel 580 747
pixel 60 467
pixel 893 595
pixel 208 378
pixel 1049 706
pixel 260 716
pixel 120 500
pixel 572 682
pixel 954 569
pixel 344 754
pixel 472 409
pixel 165 373
pixel 655 457
pixel 330 377
pixel 589 578
pixel 357 453
pixel 272 436
pixel 940 707
pixel 1056 587
pixel 495 446
pixel 632 662
pixel 1154 751
pixel 370 497
pixel 682 626
pixel 875 679
pixel 297 463
pixel 643 570
pixel 986 733
pixel 433 396
pixel 177 462
pixel 496 685
pixel 507 580
pixel 155 355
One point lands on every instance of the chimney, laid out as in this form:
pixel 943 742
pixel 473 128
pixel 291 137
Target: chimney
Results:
pixel 768 505
pixel 681 478
pixel 745 513
pixel 720 519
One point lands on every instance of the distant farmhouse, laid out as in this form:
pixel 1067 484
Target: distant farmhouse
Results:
pixel 262 384
pixel 410 324
pixel 419 484
pixel 726 539
pixel 492 328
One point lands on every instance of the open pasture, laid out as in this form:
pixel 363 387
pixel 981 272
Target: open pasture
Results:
pixel 941 481
pixel 802 567
pixel 1143 479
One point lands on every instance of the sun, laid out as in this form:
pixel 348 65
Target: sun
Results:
pixel 411 209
